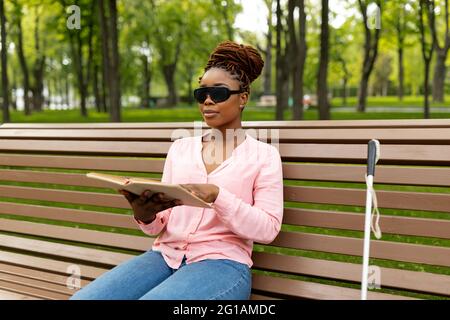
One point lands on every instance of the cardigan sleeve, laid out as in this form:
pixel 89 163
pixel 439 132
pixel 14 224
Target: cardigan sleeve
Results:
pixel 260 222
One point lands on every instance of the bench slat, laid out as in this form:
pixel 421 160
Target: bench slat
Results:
pixel 83 162
pixel 354 173
pixel 141 243
pixel 70 179
pixel 44 276
pixel 352 153
pixel 388 250
pixel 71 215
pixel 93 147
pixel 403 123
pixel 50 265
pixel 357 153
pixel 313 290
pixel 393 175
pixel 395 135
pixel 354 197
pixel 7 295
pixel 66 251
pixel 36 283
pixel 23 289
pixel 437 228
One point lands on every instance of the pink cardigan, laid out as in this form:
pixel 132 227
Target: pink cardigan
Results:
pixel 248 208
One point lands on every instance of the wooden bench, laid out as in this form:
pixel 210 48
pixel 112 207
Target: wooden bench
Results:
pixel 53 220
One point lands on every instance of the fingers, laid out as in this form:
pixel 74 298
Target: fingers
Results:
pixel 147 198
pixel 128 195
pixel 169 204
pixel 144 196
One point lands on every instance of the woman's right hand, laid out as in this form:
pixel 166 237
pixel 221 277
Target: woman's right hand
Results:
pixel 145 207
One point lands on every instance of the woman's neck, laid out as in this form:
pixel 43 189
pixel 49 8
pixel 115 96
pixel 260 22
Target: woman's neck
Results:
pixel 227 135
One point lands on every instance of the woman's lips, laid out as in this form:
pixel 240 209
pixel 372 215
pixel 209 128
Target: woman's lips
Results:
pixel 210 114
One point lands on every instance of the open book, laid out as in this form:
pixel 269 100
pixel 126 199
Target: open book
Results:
pixel 139 185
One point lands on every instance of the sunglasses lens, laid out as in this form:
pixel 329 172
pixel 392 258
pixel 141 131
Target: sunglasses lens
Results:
pixel 217 94
pixel 200 94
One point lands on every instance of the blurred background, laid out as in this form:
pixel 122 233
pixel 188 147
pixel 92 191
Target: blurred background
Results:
pixel 132 60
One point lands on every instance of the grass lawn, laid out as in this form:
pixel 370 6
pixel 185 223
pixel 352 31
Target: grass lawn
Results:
pixel 192 114
pixel 391 101
pixel 251 113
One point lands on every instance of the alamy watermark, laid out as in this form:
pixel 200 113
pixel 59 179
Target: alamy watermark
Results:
pixel 374 278
pixel 73 282
pixel 373 13
pixel 74 20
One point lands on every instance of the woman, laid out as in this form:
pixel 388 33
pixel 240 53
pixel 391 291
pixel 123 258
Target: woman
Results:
pixel 205 253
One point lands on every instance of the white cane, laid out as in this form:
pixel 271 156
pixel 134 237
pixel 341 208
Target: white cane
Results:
pixel 373 155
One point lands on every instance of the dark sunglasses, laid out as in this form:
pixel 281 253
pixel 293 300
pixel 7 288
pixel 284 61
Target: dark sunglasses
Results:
pixel 217 94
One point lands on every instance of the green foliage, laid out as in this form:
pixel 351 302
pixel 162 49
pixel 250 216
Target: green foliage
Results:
pixel 155 30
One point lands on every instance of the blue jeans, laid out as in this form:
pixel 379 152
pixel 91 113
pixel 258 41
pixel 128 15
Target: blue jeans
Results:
pixel 148 277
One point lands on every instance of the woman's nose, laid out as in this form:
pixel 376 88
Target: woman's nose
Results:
pixel 208 100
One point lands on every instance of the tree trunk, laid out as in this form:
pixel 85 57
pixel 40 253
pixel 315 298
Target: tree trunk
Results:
pixel 145 97
pixel 296 91
pixel 439 76
pixel 370 55
pixel 297 52
pixel 282 74
pixel 169 78
pixel 114 79
pixel 38 72
pixel 426 90
pixel 23 65
pixel 105 53
pixel 96 90
pixel 49 93
pixel 14 93
pixel 442 51
pixel 427 8
pixel 362 93
pixel 4 58
pixel 67 92
pixel 302 50
pixel 168 71
pixel 322 88
pixel 38 68
pixel 344 92
pixel 77 54
pixel 401 74
pixel 268 54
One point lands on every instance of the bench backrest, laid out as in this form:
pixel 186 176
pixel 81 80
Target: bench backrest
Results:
pixel 318 252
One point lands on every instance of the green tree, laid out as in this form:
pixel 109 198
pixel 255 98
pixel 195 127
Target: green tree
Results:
pixel 4 62
pixel 372 37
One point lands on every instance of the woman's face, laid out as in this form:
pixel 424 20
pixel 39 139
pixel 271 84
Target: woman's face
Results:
pixel 226 114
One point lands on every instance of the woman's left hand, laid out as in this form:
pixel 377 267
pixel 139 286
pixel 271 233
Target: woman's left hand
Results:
pixel 206 191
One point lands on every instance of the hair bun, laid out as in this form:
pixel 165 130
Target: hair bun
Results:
pixel 243 60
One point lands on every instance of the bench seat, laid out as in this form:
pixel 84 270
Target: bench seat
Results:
pixel 53 218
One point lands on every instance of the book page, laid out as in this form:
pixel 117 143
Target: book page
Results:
pixel 137 186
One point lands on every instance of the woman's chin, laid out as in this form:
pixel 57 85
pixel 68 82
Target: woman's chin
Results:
pixel 211 120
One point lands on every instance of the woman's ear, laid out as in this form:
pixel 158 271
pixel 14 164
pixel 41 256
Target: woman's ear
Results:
pixel 243 99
